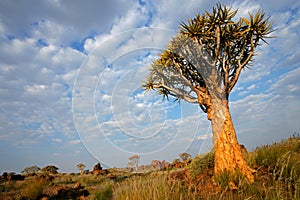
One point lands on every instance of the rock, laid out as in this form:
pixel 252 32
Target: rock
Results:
pixel 179 165
pixel 76 192
pixel 155 164
pixel 46 177
pixel 179 175
pixel 77 185
pixel 97 169
pixel 111 176
pixel 15 177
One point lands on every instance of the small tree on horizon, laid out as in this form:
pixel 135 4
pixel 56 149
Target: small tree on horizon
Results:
pixel 202 64
pixel 185 156
pixel 134 161
pixel 81 167
pixel 50 169
pixel 30 170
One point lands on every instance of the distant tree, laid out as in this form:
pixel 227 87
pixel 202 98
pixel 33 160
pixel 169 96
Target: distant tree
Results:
pixel 130 165
pixel 185 156
pixel 202 64
pixel 81 167
pixel 134 161
pixel 50 169
pixel 30 170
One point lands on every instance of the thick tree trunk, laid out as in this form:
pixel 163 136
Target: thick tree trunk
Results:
pixel 228 156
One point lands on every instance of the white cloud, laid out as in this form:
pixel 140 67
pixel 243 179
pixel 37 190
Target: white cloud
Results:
pixel 245 7
pixel 58 140
pixel 280 6
pixel 169 14
pixel 251 87
pixel 35 89
pixel 74 142
pixel 287 85
pixel 272 115
pixel 63 22
pixel 91 43
pixel 135 18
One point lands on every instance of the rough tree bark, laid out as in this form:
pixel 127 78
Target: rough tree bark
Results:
pixel 228 155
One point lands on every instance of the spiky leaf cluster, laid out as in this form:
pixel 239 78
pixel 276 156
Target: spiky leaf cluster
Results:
pixel 209 51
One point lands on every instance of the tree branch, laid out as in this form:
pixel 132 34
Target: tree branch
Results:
pixel 242 65
pixel 179 94
pixel 218 35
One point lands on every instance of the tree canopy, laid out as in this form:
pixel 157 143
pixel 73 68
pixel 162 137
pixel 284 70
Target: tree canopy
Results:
pixel 207 56
pixel 185 156
pixel 31 169
pixel 134 161
pixel 81 167
pixel 50 169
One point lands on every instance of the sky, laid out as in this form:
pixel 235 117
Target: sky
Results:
pixel 71 75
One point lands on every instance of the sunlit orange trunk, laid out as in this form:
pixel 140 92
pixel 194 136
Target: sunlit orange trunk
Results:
pixel 228 156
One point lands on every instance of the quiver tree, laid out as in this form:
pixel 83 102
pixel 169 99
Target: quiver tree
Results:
pixel 81 167
pixel 202 64
pixel 184 156
pixel 134 161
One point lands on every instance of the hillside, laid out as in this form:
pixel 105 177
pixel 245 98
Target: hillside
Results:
pixel 277 176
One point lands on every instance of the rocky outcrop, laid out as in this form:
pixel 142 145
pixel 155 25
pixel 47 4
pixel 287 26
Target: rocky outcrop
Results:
pixel 177 165
pixel 97 169
pixel 75 192
pixel 12 177
pixel 179 175
pixel 158 165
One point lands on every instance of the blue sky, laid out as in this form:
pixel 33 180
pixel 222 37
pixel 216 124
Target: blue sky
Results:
pixel 71 71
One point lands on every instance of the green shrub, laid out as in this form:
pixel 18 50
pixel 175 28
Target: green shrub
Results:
pixel 106 194
pixel 266 156
pixel 200 163
pixel 283 157
pixel 33 188
pixel 230 179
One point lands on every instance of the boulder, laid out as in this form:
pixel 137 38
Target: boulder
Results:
pixel 179 175
pixel 97 170
pixel 75 192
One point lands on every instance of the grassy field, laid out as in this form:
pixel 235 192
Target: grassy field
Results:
pixel 277 177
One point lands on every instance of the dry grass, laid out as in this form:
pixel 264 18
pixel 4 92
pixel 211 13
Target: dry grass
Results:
pixel 155 187
pixel 33 188
pixel 277 177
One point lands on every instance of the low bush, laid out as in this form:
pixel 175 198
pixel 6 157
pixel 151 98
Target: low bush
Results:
pixel 200 163
pixel 33 188
pixel 105 194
